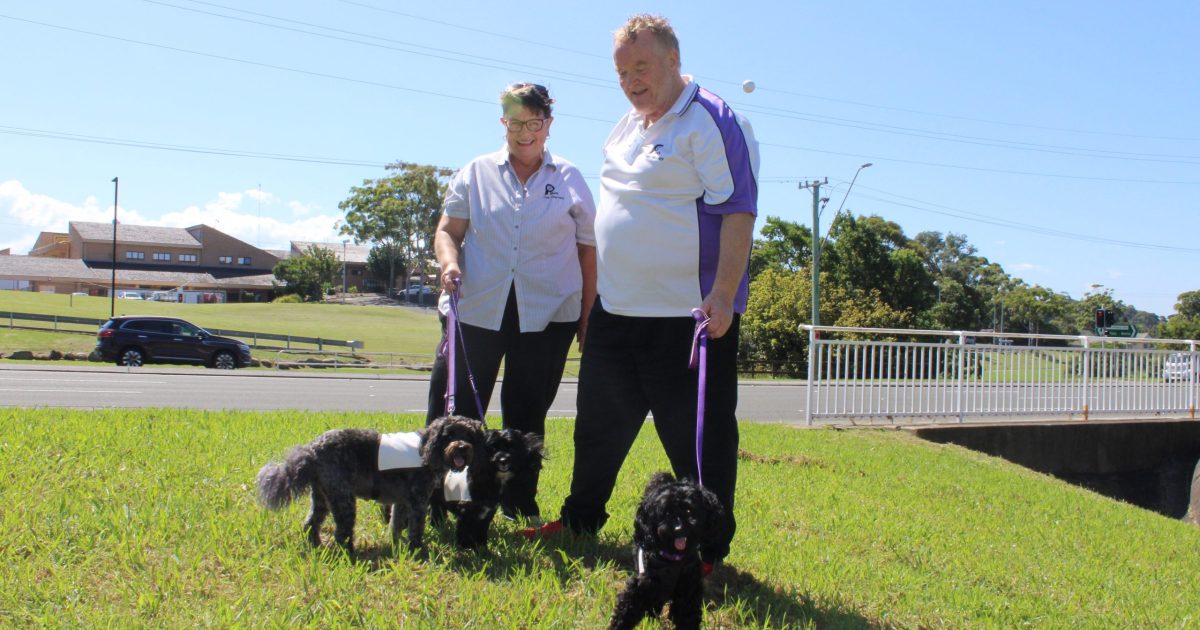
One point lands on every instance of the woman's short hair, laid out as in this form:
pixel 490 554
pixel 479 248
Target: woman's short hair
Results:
pixel 528 95
pixel 655 25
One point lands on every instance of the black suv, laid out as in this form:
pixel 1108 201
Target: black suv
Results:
pixel 133 340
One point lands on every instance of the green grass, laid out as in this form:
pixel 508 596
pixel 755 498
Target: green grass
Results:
pixel 380 328
pixel 148 519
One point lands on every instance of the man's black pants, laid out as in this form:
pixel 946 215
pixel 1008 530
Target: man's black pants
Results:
pixel 635 365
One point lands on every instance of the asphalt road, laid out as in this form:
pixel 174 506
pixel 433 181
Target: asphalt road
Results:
pixel 195 388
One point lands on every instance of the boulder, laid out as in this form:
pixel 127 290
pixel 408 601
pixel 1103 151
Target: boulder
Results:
pixel 21 355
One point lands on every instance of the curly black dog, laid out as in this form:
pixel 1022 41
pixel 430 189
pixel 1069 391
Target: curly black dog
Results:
pixel 512 457
pixel 342 465
pixel 673 523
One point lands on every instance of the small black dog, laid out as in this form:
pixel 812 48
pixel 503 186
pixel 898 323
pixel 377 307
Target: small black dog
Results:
pixel 342 465
pixel 512 457
pixel 673 522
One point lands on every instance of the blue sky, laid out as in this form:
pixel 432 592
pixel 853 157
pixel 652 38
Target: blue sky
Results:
pixel 1061 138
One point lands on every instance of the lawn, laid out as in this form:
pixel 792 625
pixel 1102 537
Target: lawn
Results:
pixel 147 519
pixel 380 328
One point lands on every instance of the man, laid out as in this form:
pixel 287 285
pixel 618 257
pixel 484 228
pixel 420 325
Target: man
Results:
pixel 673 230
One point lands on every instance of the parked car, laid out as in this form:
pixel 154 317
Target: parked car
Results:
pixel 130 295
pixel 135 340
pixel 1177 367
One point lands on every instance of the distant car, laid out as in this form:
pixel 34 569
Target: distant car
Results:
pixel 1177 367
pixel 129 295
pixel 136 340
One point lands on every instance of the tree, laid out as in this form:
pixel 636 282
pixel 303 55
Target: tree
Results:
pixel 399 212
pixel 785 246
pixel 382 261
pixel 306 275
pixel 1185 322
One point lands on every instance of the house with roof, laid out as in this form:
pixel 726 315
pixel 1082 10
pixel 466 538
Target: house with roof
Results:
pixel 149 258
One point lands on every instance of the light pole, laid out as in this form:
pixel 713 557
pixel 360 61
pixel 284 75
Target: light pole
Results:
pixel 112 290
pixel 848 189
pixel 344 241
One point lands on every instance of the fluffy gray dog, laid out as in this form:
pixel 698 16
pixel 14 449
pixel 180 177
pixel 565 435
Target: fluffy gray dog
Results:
pixel 342 465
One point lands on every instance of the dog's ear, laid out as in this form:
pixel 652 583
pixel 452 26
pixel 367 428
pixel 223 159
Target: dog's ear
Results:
pixel 431 436
pixel 658 480
pixel 537 448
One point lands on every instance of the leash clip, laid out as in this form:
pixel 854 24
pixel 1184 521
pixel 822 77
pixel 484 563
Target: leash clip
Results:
pixel 698 337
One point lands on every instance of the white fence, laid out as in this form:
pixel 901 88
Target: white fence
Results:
pixel 866 372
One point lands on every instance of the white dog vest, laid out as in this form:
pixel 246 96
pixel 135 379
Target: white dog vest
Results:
pixel 399 450
pixel 455 487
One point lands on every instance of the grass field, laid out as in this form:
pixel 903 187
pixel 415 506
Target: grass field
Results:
pixel 380 328
pixel 148 519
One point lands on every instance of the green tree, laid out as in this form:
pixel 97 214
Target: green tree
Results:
pixel 306 275
pixel 785 245
pixel 1184 323
pixel 399 212
pixel 382 261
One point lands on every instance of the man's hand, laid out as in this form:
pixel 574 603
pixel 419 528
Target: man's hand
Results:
pixel 720 314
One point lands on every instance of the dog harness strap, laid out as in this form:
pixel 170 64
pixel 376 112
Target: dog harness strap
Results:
pixel 641 561
pixel 454 332
pixel 699 361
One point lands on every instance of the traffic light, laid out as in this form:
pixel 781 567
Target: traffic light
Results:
pixel 1102 319
pixel 1109 318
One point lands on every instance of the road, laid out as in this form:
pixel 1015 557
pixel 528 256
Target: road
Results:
pixel 194 388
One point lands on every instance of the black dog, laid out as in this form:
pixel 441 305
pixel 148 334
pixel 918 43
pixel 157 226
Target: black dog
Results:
pixel 674 521
pixel 512 457
pixel 342 465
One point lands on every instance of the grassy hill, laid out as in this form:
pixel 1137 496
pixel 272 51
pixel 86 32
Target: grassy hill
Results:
pixel 380 328
pixel 147 518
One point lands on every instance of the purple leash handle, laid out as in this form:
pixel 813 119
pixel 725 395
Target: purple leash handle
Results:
pixel 699 360
pixel 453 336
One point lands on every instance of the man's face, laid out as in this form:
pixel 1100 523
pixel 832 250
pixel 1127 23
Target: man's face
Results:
pixel 648 72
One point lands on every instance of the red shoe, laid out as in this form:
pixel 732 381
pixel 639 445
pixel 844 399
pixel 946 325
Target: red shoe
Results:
pixel 546 530
pixel 707 568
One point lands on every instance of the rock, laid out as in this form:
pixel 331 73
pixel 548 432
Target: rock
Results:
pixel 77 356
pixel 55 355
pixel 21 355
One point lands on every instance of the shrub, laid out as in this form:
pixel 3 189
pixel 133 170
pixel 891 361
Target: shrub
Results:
pixel 290 298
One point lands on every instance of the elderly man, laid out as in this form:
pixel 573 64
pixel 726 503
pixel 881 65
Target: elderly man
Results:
pixel 673 230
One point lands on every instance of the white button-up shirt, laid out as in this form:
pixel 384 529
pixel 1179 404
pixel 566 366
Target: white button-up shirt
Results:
pixel 521 237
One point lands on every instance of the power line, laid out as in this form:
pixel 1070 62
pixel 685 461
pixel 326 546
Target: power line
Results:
pixel 875 158
pixel 976 217
pixel 747 107
pixel 778 90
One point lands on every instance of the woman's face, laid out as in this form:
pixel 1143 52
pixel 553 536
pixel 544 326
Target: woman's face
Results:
pixel 525 144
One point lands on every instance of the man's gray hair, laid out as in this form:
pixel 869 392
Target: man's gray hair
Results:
pixel 656 25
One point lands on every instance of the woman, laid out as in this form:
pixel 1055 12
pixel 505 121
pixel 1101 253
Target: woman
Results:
pixel 516 237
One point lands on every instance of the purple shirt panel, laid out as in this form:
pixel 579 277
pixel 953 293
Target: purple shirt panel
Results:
pixel 744 198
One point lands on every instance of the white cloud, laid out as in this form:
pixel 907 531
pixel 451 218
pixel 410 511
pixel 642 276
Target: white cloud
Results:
pixel 24 214
pixel 301 209
pixel 1024 267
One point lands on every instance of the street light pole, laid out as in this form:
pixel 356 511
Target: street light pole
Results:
pixel 112 290
pixel 848 189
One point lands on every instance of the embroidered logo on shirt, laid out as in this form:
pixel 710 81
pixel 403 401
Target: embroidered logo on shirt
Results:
pixel 551 193
pixel 655 153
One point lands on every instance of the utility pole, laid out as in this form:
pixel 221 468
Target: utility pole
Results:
pixel 816 247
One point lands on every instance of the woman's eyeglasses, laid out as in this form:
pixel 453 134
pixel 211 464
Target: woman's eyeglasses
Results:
pixel 534 124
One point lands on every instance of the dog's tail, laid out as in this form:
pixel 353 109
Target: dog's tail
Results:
pixel 280 483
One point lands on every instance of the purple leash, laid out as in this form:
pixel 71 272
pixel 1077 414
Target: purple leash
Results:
pixel 699 360
pixel 453 333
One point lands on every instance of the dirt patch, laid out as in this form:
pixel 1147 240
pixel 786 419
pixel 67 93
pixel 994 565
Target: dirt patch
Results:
pixel 791 460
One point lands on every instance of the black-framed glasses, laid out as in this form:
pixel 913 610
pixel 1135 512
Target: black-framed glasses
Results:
pixel 534 124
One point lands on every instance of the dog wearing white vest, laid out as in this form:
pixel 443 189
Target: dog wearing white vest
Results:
pixel 397 470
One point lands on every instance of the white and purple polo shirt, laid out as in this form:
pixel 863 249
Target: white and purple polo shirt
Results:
pixel 663 192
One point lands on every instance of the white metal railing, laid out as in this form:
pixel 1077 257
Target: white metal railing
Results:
pixel 865 372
